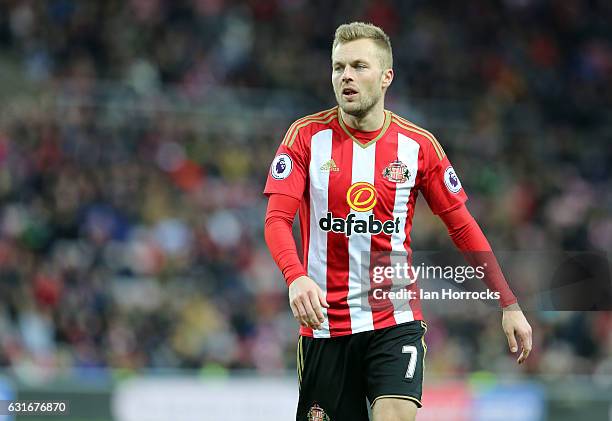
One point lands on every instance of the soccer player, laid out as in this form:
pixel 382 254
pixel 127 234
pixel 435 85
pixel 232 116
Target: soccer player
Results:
pixel 354 172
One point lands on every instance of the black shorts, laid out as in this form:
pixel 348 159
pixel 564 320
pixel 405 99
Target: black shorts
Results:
pixel 337 374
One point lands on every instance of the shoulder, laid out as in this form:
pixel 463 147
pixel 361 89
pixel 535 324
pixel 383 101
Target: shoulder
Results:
pixel 309 124
pixel 426 139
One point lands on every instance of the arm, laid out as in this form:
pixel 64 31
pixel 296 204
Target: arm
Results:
pixel 277 232
pixel 468 237
pixel 442 189
pixel 305 296
pixel 287 181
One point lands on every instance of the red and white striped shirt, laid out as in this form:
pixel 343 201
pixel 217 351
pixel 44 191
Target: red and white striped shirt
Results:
pixel 357 195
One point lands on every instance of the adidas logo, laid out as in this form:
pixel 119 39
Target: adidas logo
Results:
pixel 330 166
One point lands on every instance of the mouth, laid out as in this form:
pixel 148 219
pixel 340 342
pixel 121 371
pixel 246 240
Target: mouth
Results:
pixel 349 94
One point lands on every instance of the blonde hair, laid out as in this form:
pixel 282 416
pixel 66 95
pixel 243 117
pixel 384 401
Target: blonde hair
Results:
pixel 360 30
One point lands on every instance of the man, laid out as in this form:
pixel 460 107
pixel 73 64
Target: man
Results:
pixel 354 172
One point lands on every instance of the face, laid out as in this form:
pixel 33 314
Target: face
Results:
pixel 357 76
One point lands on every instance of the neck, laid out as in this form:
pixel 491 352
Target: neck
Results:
pixel 370 122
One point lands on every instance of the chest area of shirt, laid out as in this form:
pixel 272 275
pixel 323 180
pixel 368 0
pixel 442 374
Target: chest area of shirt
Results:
pixel 388 165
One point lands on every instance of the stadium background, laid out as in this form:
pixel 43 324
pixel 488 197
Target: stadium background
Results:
pixel 135 139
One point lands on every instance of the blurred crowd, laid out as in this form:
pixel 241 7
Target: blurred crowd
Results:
pixel 131 225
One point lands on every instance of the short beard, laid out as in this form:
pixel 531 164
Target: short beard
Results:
pixel 363 108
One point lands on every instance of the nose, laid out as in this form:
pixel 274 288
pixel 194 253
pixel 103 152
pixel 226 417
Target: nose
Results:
pixel 347 74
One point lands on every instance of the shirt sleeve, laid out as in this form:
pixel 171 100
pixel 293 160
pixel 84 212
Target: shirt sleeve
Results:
pixel 279 220
pixel 469 238
pixel 289 169
pixel 440 186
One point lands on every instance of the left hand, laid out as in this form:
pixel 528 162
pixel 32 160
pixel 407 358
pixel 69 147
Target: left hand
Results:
pixel 514 322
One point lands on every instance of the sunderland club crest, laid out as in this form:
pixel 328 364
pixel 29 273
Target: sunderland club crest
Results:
pixel 397 172
pixel 316 413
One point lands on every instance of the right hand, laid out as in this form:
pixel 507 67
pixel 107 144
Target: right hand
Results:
pixel 306 299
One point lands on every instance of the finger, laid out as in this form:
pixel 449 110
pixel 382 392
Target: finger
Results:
pixel 294 311
pixel 526 346
pixel 322 299
pixel 526 339
pixel 313 321
pixel 530 339
pixel 316 305
pixel 302 314
pixel 524 354
pixel 511 341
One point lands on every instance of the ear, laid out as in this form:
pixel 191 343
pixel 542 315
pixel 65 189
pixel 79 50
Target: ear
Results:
pixel 387 78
